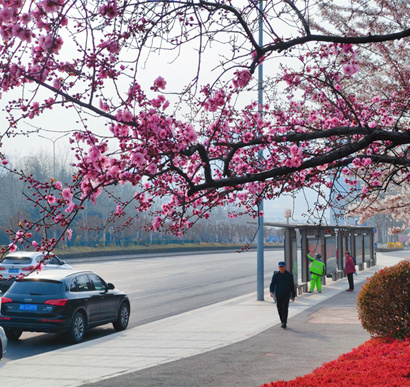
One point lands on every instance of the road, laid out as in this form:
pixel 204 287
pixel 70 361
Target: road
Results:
pixel 161 287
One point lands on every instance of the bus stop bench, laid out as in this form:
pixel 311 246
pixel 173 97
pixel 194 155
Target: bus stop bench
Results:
pixel 338 274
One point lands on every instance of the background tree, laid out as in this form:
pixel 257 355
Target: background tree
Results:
pixel 206 144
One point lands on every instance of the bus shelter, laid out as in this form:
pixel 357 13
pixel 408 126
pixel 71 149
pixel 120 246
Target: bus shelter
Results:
pixel 329 241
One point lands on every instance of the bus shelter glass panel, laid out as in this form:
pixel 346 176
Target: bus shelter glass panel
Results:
pixel 359 249
pixel 367 248
pixel 314 246
pixel 299 267
pixel 296 265
pixel 331 251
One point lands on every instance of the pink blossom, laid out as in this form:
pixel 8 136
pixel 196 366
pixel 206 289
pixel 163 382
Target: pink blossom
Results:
pixel 242 79
pixel 138 159
pixel 152 169
pixel 349 70
pixel 51 6
pixel 56 83
pixel 4 162
pixel 165 105
pixel 113 47
pixel 159 83
pixel 357 162
pixel 390 120
pixel 67 194
pixel 51 199
pixel 191 135
pixel 157 223
pixel 34 244
pixel 296 162
pixel 367 161
pixel 104 106
pixel 110 10
pixel 12 247
pixel 94 153
pixel 71 207
pixel 127 116
pixel 322 167
pixel 19 236
pixel 58 185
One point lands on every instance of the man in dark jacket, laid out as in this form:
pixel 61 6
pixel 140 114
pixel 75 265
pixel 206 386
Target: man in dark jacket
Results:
pixel 283 287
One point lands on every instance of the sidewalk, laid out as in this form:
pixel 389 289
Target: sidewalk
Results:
pixel 209 346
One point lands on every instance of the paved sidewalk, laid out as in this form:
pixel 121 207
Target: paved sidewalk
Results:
pixel 142 352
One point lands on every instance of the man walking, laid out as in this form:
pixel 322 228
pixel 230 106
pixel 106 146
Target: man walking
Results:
pixel 350 270
pixel 283 287
pixel 317 269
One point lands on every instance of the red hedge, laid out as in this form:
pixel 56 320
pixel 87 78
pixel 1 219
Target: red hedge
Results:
pixel 378 363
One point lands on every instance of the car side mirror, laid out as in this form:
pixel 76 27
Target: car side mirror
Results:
pixel 110 286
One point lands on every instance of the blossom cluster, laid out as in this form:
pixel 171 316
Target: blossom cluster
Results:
pixel 223 152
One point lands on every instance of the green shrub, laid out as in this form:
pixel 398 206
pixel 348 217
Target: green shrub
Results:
pixel 384 302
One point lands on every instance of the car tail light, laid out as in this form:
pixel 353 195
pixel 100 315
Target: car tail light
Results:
pixel 60 302
pixel 5 300
pixel 2 268
pixel 51 320
pixel 30 268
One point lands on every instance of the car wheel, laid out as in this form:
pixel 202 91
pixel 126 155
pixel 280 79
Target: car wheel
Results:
pixel 13 334
pixel 77 329
pixel 123 317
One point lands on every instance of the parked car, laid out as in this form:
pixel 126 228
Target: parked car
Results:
pixel 22 263
pixel 3 342
pixel 66 301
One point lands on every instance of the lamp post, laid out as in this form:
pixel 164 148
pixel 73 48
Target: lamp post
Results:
pixel 54 140
pixel 260 259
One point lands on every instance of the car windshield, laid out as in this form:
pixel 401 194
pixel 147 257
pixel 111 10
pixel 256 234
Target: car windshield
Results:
pixel 36 287
pixel 17 260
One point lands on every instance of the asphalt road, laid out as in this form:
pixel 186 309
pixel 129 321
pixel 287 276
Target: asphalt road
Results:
pixel 162 286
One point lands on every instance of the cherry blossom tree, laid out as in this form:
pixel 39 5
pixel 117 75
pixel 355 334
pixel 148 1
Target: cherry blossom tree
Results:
pixel 161 95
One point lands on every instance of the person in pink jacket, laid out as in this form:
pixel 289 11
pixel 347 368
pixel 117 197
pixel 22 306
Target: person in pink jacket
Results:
pixel 350 270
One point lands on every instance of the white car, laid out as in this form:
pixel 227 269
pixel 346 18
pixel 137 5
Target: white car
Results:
pixel 22 263
pixel 3 342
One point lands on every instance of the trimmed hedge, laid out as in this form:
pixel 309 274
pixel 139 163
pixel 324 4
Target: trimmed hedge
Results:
pixel 384 302
pixel 377 363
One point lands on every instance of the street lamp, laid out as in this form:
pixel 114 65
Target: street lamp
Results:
pixel 54 140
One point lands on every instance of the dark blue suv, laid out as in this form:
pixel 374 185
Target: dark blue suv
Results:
pixel 66 301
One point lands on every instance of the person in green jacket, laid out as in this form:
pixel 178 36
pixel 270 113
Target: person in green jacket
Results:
pixel 317 269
